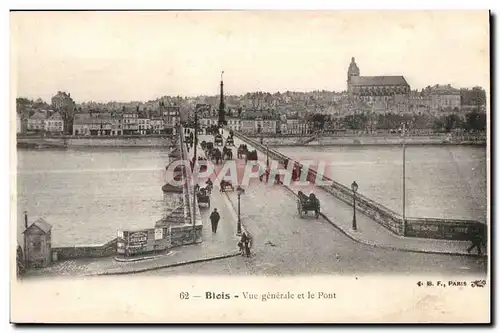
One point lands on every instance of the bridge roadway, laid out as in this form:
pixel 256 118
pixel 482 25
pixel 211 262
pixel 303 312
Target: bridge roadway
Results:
pixel 285 244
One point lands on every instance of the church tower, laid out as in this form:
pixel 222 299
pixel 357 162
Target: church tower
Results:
pixel 352 71
pixel 222 117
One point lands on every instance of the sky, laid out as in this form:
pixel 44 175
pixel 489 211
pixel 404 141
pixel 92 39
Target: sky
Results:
pixel 124 56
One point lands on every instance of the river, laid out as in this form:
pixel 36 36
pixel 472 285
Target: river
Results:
pixel 441 181
pixel 89 194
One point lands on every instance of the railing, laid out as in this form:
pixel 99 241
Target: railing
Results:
pixel 187 202
pixel 383 215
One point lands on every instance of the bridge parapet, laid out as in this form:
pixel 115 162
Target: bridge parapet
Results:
pixel 436 228
pixel 192 214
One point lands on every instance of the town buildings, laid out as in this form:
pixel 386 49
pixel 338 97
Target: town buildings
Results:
pixel 37 121
pixel 45 121
pixel 233 123
pixel 207 121
pixel 124 123
pixel 436 99
pixel 442 97
pixel 171 117
pixel 19 124
pixel 54 123
pixel 157 125
pixel 144 125
pixel 116 123
pixel 130 123
pixel 259 122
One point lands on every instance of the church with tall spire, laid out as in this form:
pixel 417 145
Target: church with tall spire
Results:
pixel 222 112
pixel 375 88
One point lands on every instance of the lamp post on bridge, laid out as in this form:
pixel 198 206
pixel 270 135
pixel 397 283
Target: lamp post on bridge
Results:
pixel 240 191
pixel 267 155
pixel 354 187
pixel 404 178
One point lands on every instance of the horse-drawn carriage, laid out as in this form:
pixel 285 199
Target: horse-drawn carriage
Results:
pixel 203 145
pixel 225 184
pixel 227 153
pixel 219 141
pixel 251 155
pixel 208 146
pixel 214 154
pixel 230 141
pixel 203 163
pixel 307 203
pixel 203 196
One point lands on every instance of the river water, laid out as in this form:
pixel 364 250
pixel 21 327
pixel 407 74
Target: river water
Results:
pixel 441 181
pixel 89 194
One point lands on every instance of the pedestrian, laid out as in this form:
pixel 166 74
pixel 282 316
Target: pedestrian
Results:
pixel 277 179
pixel 477 239
pixel 262 171
pixel 214 219
pixel 245 244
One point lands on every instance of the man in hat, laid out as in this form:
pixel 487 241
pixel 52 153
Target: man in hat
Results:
pixel 214 219
pixel 477 239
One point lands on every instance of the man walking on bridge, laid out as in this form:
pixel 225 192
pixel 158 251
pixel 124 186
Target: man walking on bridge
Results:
pixel 214 219
pixel 478 239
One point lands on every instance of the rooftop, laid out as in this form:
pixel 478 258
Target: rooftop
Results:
pixel 397 80
pixel 444 90
pixel 41 224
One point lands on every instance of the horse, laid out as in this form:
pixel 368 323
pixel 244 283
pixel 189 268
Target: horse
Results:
pixel 302 196
pixel 242 150
pixel 219 141
pixel 216 154
pixel 227 153
pixel 252 156
pixel 224 184
pixel 209 146
pixel 209 186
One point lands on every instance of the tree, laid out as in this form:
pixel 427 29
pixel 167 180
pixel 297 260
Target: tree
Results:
pixel 23 104
pixel 355 122
pixel 438 125
pixel 64 104
pixel 317 120
pixel 475 121
pixel 475 96
pixel 40 104
pixel 450 122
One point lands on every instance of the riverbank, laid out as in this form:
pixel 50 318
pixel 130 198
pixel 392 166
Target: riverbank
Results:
pixel 157 141
pixel 369 140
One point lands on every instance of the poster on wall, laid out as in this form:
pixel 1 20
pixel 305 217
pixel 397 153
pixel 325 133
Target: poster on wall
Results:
pixel 138 239
pixel 158 233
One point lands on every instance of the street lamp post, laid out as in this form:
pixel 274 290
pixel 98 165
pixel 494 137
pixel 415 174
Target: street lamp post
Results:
pixel 354 187
pixel 267 155
pixel 404 179
pixel 240 191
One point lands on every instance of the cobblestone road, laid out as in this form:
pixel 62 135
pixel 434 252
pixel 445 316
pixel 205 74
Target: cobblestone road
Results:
pixel 285 244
